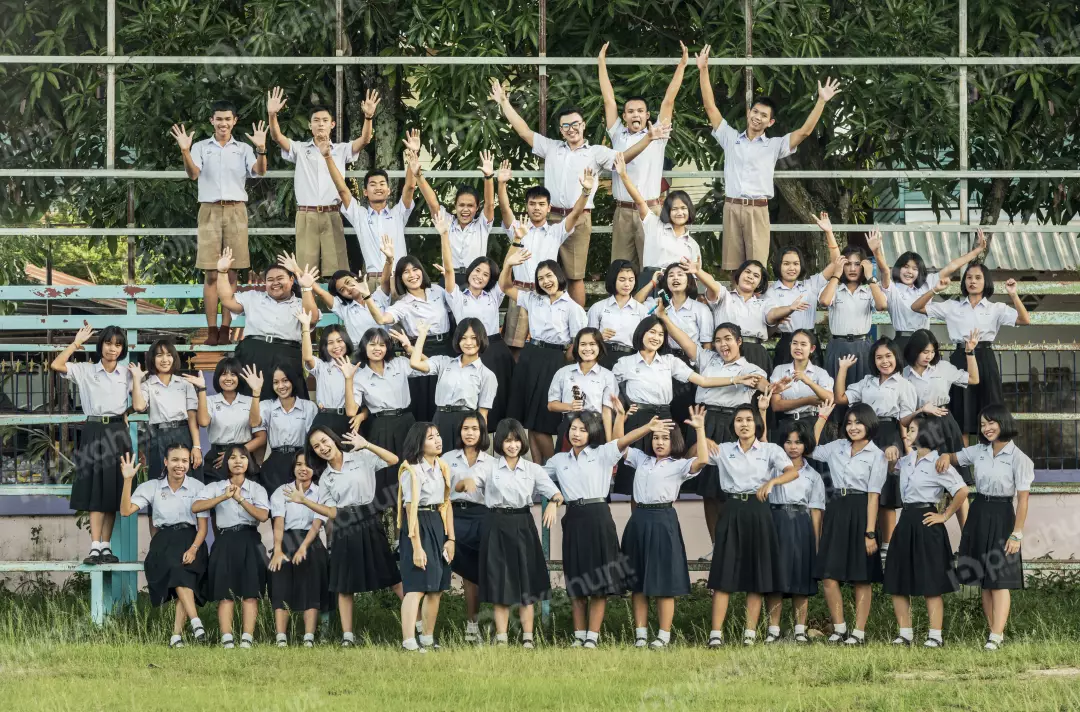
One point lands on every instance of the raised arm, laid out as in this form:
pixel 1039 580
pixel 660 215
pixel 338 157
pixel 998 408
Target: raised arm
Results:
pixel 607 92
pixel 707 98
pixel 254 379
pixel 335 175
pixel 826 92
pixel 258 140
pixel 828 294
pixel 824 411
pixel 226 291
pixel 656 425
pixel 368 106
pixel 825 223
pixel 417 360
pixel 667 106
pixel 59 363
pixel 514 256
pixel 138 398
pixel 504 176
pixel 840 382
pixel 656 132
pixel 587 180
pixel 881 300
pixel 1022 316
pixel 714 291
pixel 307 353
pixel 498 95
pixel 674 331
pixel 128 468
pixel 697 422
pixel 412 173
pixel 275 102
pixel 635 194
pixel 980 246
pixel 487 167
pixel 443 227
pixel 184 141
pixel 359 443
pixel 874 242
pixel 920 305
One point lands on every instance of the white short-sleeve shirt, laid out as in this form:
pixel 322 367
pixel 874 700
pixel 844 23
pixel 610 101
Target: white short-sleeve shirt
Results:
pixel 663 247
pixel 597 386
pixel 469 241
pixel 607 314
pixel 657 481
pixel 555 322
pixel 902 296
pixel 646 170
pixel 779 295
pixel 370 225
pixel 168 403
pixel 101 392
pixel 960 318
pixel 563 167
pixel 543 242
pixel 170 508
pixel 1001 475
pixel 749 164
pixel 265 316
pixel 312 181
pixel 650 383
pixel 409 311
pixel 223 170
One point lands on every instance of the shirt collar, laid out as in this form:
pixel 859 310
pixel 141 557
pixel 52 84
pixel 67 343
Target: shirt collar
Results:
pixel 590 373
pixel 520 464
pixel 1007 450
pixel 186 484
pixel 670 229
pixel 385 212
pixel 932 455
pixel 966 302
pixel 763 138
pixel 99 367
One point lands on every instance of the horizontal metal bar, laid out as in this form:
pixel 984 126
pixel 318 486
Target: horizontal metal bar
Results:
pixel 66 566
pixel 56 418
pixel 154 322
pixel 89 348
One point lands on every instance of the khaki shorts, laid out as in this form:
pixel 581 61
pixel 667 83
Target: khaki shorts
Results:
pixel 574 253
pixel 746 234
pixel 320 241
pixel 222 226
pixel 516 325
pixel 628 235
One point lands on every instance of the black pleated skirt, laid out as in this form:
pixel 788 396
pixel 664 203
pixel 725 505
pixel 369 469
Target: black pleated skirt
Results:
pixel 746 553
pixel 954 442
pixel 449 425
pixel 758 355
pixel 920 561
pixel 98 483
pixel 888 435
pixel 422 388
pixel 470 520
pixel 277 470
pixel 436 577
pixel 303 586
pixel 982 560
pixel 264 356
pixel 360 558
pixel 338 422
pixel 161 438
pixel 838 348
pixel 717 429
pixel 238 564
pixel 654 553
pixel 498 359
pixel 165 568
pixel 215 474
pixel 682 394
pixel 624 475
pixel 513 569
pixel 967 403
pixel 797 551
pixel 535 368
pixel 592 561
pixel 388 432
pixel 842 550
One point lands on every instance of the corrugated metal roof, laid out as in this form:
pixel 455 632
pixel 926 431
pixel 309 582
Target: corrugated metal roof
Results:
pixel 1012 251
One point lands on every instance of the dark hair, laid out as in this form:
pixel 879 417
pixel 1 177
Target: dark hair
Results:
pixel 485 438
pixel 466 189
pixel 376 173
pixel 763 283
pixel 556 269
pixel 678 444
pixel 290 373
pixel 296 459
pixel 110 334
pixel 864 415
pixel 537 191
pixel 412 448
pixel 988 280
pixel 510 428
pixel 566 111
pixel 594 427
pixel 331 287
pixel 636 97
pixel 587 331
pixel 803 430
pixel 229 450
pixel 774 108
pixel 319 107
pixel 920 265
pixel 175 446
pixel 295 284
pixel 691 281
pixel 409 261
pixel 643 327
pixel 469 322
pixel 759 424
pixel 229 364
pixel 849 251
pixel 889 344
pixel 616 268
pixel 784 252
pixel 309 452
pixel 998 413
pixel 493 271
pixel 223 105
pixel 918 343
pixel 808 333
pixel 735 330
pixel 931 432
pixel 375 333
pixel 324 350
pixel 665 211
pixel 168 347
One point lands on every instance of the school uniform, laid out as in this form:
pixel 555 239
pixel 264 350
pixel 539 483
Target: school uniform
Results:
pixel 430 493
pixel 648 385
pixel 286 434
pixel 749 316
pixel 320 236
pixel 591 562
pixel 696 320
pixel 271 339
pixel 791 505
pixel 229 425
pixel 933 387
pixel 513 569
pixel 370 225
pixel 960 318
pixel 409 311
pixel 797 390
pixel 168 407
pixel 850 319
pixel 356 317
pixel 303 586
pixel 661 246
pixel 543 242
pixel 596 388
pixel 330 396
pixel 552 326
pixel 360 558
pixel 238 559
pixel 176 528
pixel 467 242
pixel 920 561
pixel 223 221
pixel 646 172
pixel 459 389
pixel 497 357
pixel 103 397
pixel 387 399
pixel 906 322
pixel 842 549
pixel 607 314
pixel 991 519
pixel 652 542
pixel 470 512
pixel 779 295
pixel 746 552
pixel 892 401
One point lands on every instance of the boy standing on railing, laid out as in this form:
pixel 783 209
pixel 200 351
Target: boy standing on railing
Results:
pixel 221 165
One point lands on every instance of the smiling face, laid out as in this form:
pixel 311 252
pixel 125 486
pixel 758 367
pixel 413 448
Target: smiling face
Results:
pixel 624 283
pixel 578 433
pixel 335 344
pixel 177 462
pixel 279 284
pixel 302 472
pixel 790 266
pixel 323 445
pixel 432 443
pixel 282 384
pixel 412 277
pixel 909 272
pixel 856 431
pixel 794 447
pixel 678 212
pixel 223 122
pixel 377 190
pixel 661 444
pixel 677 280
pixel 750 279
pixel 348 288
pixel 465 207
pixel 653 339
pixel 745 427
pixel 238 461
pixel 469 344
pixel 572 128
pixel 801 348
pixel 926 356
pixel 727 345
pixel 885 361
pixel 321 124
pixel 587 348
pixel 511 447
pixel 228 381
pixel 111 349
pixel 547 280
pixel 470 432
pixel 375 350
pixel 480 276
pixel 989 429
pixel 635 115
pixel 163 360
pixel 759 118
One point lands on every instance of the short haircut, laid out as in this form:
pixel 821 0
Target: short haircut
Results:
pixel 290 373
pixel 774 108
pixel 805 433
pixel 403 263
pixel 111 334
pixel 920 265
pixel 469 322
pixel 314 461
pixel 763 283
pixel 556 269
pixel 566 111
pixel 918 343
pixel 643 327
pixel 784 252
pixel 320 107
pixel 594 426
pixel 295 284
pixel 228 454
pixel 536 192
pixel 176 446
pixel 324 350
pixel 863 414
pixel 636 97
pixel 412 448
pixel 691 281
pixel 998 413
pixel 229 364
pixel 331 286
pixel 493 271
pixel 510 428
pixel 378 335
pixel 466 189
pixel 576 343
pixel 759 424
pixel 735 330
pixel 302 453
pixel 485 437
pixel 931 432
pixel 988 280
pixel 852 251
pixel 223 105
pixel 376 173
pixel 678 444
pixel 616 268
pixel 884 342
pixel 681 195
pixel 168 347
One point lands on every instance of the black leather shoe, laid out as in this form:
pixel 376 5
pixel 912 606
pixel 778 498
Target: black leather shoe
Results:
pixel 94 559
pixel 107 557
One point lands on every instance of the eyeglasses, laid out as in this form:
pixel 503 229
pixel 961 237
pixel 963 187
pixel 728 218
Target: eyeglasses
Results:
pixel 575 125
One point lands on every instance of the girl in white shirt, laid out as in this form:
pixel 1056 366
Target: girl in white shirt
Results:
pixel 333 371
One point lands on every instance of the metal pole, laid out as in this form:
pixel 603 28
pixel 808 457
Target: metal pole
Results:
pixel 963 106
pixel 110 90
pixel 542 123
pixel 339 72
pixel 748 16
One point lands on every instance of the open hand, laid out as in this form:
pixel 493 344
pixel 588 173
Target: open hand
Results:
pixel 830 89
pixel 275 101
pixel 128 467
pixel 183 139
pixel 258 135
pixel 370 104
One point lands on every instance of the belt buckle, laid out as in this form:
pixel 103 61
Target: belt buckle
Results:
pixel 843 491
pixel 268 339
pixel 742 497
pixel 105 419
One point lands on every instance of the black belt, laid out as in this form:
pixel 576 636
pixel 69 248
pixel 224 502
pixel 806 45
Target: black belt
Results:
pixel 583 502
pixel 172 527
pixel 103 419
pixel 618 348
pixel 752 339
pixel 422 507
pixel 390 412
pixel 237 528
pixel 158 427
pixel 511 510
pixel 650 408
pixel 844 491
pixel 851 337
pixel 287 449
pixel 740 496
pixel 274 340
pixel 494 337
pixel 720 409
pixel 333 411
pixel 790 507
pixel 436 338
pixel 465 504
pixel 654 505
pixel 679 353
pixel 990 498
pixel 799 416
pixel 454 409
pixel 547 345
pixel 981 346
pixel 920 505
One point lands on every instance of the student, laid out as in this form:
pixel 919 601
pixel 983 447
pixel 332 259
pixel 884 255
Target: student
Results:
pixel 286 420
pixel 646 171
pixel 299 564
pixel 103 394
pixel 171 399
pixel 989 553
pixel 513 570
pixel 808 385
pixel 564 162
pixel 175 564
pixel 238 559
pixel 920 561
pixel 617 316
pixel 360 558
pixel 271 332
pixel 226 417
pixel 320 236
pixel 346 295
pixel 744 307
pixel 796 512
pixel 469 461
pixel 974 310
pixel 221 165
pixel 583 386
pixel 858 470
pixel 334 373
pixel 425 522
pixel 851 295
pixel 554 320
pixel 749 160
pixel 652 542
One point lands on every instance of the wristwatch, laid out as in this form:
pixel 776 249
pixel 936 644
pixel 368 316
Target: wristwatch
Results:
pixel 200 389
pixel 518 244
pixel 871 535
pixel 1017 536
pixel 872 280
pixel 260 151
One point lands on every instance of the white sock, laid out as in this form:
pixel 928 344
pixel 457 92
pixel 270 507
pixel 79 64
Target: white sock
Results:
pixel 579 635
pixel 857 634
pixel 227 638
pixel 419 627
pixel 907 633
pixel 196 623
pixel 348 636
pixel 799 629
pixel 664 636
pixel 884 547
pixel 282 637
pixel 751 634
pixel 716 634
pixel 935 633
pixel 175 639
pixel 640 633
pixel 309 636
pixel 95 546
pixel 247 637
pixel 526 636
pixel 472 627
pixel 427 640
pixel 594 637
pixel 410 644
pixel 839 628
pixel 500 638
pixel 997 638
pixel 774 630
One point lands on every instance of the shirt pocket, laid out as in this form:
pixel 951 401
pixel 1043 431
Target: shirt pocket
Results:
pixel 560 320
